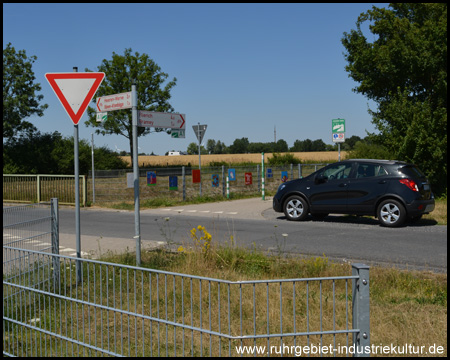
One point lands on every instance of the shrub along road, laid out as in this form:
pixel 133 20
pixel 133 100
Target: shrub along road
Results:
pixel 252 223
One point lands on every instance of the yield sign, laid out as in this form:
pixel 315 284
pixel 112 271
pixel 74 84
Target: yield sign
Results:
pixel 199 131
pixel 75 90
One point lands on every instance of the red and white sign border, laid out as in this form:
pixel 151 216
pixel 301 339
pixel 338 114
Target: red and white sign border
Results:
pixel 98 78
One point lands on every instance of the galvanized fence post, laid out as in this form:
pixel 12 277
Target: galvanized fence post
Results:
pixel 55 241
pixel 183 174
pixel 258 178
pixel 361 310
pixel 38 184
pixel 223 180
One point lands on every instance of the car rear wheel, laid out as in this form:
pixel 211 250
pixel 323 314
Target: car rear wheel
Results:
pixel 391 213
pixel 295 208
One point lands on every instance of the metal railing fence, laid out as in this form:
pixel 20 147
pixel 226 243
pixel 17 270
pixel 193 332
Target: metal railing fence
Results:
pixel 121 310
pixel 42 188
pixel 129 311
pixel 34 227
pixel 111 185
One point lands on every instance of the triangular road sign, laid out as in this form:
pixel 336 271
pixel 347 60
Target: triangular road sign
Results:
pixel 199 131
pixel 75 90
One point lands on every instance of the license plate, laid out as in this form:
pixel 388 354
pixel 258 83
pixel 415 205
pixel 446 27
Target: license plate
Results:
pixel 429 208
pixel 426 187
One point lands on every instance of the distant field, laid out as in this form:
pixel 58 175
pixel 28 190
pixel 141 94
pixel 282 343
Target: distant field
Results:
pixel 319 156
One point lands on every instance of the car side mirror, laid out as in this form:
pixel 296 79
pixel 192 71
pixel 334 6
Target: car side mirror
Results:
pixel 320 179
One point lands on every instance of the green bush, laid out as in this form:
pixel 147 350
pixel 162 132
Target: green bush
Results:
pixel 283 159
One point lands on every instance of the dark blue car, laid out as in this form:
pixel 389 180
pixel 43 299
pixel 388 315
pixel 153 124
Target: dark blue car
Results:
pixel 393 191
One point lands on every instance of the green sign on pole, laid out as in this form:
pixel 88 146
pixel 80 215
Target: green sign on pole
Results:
pixel 338 126
pixel 102 116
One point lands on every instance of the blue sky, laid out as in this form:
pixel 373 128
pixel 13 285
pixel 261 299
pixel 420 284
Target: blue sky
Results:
pixel 242 69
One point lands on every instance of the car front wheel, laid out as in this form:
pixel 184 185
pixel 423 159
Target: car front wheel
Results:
pixel 295 208
pixel 391 213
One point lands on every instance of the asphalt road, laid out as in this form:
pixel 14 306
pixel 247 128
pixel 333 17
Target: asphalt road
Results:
pixel 253 223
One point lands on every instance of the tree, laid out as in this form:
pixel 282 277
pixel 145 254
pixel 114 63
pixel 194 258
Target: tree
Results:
pixel 53 154
pixel 239 146
pixel 120 72
pixel 220 148
pixel 404 70
pixel 318 145
pixel 369 150
pixel 302 145
pixel 281 146
pixel 350 143
pixel 20 99
pixel 259 147
pixel 210 146
pixel 192 148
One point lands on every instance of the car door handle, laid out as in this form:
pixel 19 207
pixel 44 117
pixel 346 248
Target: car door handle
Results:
pixel 382 182
pixel 342 184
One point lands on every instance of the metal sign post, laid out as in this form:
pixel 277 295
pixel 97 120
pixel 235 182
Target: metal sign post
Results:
pixel 262 177
pixel 119 102
pixel 137 225
pixel 75 91
pixel 199 132
pixel 93 169
pixel 199 158
pixel 77 198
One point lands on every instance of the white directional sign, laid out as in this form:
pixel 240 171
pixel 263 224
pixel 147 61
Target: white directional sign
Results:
pixel 114 102
pixel 161 120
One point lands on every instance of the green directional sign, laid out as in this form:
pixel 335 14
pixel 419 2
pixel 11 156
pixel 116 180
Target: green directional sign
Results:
pixel 178 133
pixel 102 116
pixel 338 126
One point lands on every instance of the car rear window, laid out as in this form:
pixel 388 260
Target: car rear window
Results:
pixel 411 171
pixel 369 170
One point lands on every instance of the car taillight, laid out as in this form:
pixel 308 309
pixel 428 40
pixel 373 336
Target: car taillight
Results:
pixel 409 183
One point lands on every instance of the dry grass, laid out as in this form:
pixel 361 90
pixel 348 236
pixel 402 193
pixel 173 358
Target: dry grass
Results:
pixel 406 307
pixel 147 161
pixel 439 214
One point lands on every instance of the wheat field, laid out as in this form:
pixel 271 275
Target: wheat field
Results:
pixel 318 156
